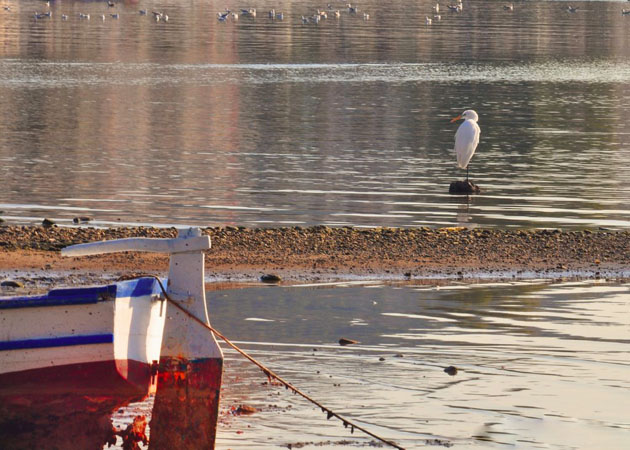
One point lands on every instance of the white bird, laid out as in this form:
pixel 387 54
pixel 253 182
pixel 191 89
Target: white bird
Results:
pixel 428 20
pixel 466 138
pixel 509 7
pixel 625 12
pixel 436 8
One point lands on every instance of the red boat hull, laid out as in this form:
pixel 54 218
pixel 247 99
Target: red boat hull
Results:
pixel 67 406
pixel 186 405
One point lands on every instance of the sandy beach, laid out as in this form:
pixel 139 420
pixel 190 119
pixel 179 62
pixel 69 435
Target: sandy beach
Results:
pixel 323 253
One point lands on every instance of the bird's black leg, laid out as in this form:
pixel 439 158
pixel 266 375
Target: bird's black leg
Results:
pixel 467 172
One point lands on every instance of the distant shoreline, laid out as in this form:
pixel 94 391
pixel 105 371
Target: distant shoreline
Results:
pixel 326 253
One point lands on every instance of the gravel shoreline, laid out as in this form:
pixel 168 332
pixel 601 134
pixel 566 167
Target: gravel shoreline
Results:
pixel 320 252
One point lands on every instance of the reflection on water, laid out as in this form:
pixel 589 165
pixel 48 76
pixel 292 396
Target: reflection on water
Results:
pixel 540 365
pixel 261 121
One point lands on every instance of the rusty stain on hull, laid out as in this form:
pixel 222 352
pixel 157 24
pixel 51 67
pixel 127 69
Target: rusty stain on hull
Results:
pixel 186 405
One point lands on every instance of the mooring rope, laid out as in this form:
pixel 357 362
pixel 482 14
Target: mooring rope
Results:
pixel 270 374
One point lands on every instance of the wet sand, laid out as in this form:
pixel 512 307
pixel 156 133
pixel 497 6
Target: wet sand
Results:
pixel 320 252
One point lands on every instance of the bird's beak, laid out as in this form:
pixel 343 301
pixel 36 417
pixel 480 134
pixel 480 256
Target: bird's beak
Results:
pixel 455 119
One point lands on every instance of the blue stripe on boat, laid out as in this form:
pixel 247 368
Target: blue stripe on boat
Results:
pixel 85 295
pixel 138 287
pixel 63 341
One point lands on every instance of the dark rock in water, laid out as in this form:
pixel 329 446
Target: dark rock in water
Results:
pixel 48 222
pixel 270 278
pixel 11 283
pixel 134 433
pixel 463 187
pixel 344 341
pixel 451 370
pixel 381 359
pixel 81 219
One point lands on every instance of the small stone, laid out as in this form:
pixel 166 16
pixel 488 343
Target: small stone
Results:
pixel 82 219
pixel 344 341
pixel 451 370
pixel 11 284
pixel 48 222
pixel 381 359
pixel 245 409
pixel 270 278
pixel 399 355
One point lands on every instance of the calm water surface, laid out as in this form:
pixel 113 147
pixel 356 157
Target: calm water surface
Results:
pixel 541 365
pixel 262 122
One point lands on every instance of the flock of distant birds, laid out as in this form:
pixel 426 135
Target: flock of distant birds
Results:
pixel 157 15
pixel 352 9
pixel 279 15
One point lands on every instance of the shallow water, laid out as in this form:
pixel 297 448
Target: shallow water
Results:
pixel 541 365
pixel 262 122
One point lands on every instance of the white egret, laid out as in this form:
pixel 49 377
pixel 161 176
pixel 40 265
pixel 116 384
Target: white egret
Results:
pixel 466 138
